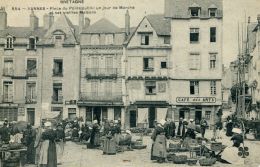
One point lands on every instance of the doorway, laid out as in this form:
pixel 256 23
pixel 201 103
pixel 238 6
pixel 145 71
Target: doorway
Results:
pixel 151 116
pixel 184 113
pixel 198 116
pixel 132 118
pixel 97 114
pixel 31 116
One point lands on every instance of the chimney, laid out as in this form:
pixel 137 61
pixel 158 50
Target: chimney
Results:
pixel 127 23
pixel 34 21
pixel 3 18
pixel 87 22
pixel 48 20
pixel 81 21
pixel 258 18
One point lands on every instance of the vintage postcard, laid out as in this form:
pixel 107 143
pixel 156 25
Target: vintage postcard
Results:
pixel 140 83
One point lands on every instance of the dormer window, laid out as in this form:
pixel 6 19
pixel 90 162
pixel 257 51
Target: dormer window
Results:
pixel 212 12
pixel 194 12
pixel 32 43
pixel 59 37
pixel 9 42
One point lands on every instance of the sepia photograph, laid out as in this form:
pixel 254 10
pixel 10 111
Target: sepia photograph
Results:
pixel 129 83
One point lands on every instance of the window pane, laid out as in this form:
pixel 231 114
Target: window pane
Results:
pixel 212 34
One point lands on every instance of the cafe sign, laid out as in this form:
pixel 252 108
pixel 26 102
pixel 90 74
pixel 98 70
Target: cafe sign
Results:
pixel 196 100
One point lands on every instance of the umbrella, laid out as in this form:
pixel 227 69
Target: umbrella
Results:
pixel 20 126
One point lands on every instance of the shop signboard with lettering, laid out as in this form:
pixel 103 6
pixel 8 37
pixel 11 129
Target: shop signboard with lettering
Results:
pixel 196 100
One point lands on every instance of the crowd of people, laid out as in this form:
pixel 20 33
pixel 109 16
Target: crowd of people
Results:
pixel 45 144
pixel 187 130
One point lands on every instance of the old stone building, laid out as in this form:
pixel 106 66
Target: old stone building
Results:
pixel 36 69
pixel 196 39
pixel 102 71
pixel 147 69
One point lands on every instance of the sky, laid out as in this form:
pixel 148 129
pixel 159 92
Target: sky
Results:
pixel 235 11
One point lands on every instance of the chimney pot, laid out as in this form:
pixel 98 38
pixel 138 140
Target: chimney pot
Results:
pixel 81 21
pixel 3 18
pixel 87 22
pixel 127 23
pixel 258 18
pixel 34 21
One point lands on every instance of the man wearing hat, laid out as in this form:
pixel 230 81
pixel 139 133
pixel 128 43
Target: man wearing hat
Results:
pixel 203 126
pixel 5 133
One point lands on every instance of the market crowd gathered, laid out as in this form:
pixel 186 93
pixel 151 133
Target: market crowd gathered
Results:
pixel 180 143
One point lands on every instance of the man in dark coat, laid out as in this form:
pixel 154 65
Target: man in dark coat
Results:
pixel 29 136
pixel 5 133
pixel 169 128
pixel 229 128
pixel 203 126
pixel 181 128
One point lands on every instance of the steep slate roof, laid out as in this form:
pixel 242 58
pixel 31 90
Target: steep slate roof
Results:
pixel 22 32
pixel 161 25
pixel 102 26
pixel 179 8
pixel 64 24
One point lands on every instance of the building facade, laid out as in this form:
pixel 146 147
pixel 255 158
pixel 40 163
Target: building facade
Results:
pixel 102 72
pixel 36 69
pixel 196 39
pixel 147 69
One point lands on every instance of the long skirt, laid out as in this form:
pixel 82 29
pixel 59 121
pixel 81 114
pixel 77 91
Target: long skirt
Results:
pixel 43 157
pixel 31 153
pixel 159 147
pixel 48 155
pixel 109 146
pixel 37 153
pixel 60 150
pixel 52 155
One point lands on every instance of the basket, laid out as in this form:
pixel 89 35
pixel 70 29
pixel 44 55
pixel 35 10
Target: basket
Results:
pixel 174 146
pixel 207 161
pixel 139 147
pixel 216 146
pixel 180 159
pixel 192 162
pixel 170 156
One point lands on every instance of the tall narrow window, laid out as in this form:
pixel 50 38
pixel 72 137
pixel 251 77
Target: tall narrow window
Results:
pixel 58 67
pixel 9 42
pixel 212 61
pixel 32 43
pixel 57 93
pixel 194 87
pixel 31 67
pixel 148 63
pixel 213 88
pixel 212 34
pixel 94 89
pixel 108 89
pixel 109 66
pixel 194 61
pixel 167 40
pixel 30 92
pixel 8 67
pixel 194 35
pixel 145 39
pixel 7 91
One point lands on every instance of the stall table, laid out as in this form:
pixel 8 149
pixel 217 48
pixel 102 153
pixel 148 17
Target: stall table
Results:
pixel 3 154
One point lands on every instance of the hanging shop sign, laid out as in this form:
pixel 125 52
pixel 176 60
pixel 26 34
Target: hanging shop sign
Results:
pixel 196 100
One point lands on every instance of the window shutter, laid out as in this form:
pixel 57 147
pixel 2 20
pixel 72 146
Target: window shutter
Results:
pixel 10 92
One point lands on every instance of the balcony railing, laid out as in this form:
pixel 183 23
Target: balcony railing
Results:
pixel 101 72
pixel 57 99
pixel 8 72
pixel 30 100
pixel 7 99
pixel 31 73
pixel 101 96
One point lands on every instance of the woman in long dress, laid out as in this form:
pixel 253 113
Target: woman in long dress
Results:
pixel 48 155
pixel 158 151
